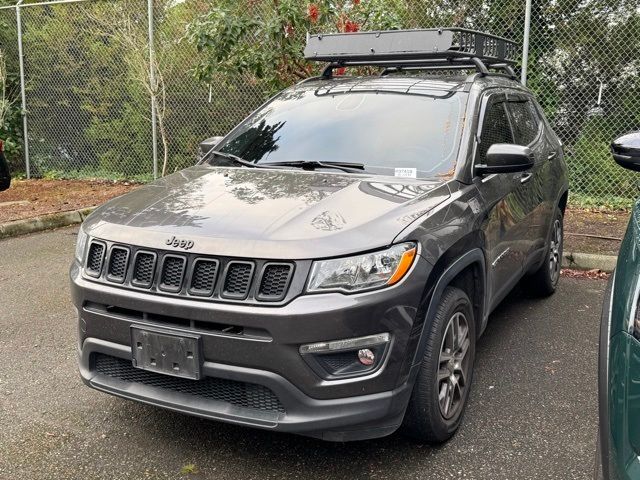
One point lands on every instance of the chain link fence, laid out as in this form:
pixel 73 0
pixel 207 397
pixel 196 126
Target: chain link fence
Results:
pixel 88 95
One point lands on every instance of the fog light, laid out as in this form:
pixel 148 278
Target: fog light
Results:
pixel 366 357
pixel 348 357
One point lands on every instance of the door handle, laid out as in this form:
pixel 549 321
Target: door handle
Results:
pixel 552 155
pixel 526 177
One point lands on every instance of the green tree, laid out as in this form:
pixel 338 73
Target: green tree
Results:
pixel 266 39
pixel 10 109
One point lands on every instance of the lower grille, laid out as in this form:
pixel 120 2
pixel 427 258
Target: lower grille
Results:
pixel 337 361
pixel 239 394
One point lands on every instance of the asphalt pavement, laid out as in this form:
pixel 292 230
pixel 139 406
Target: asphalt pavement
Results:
pixel 532 411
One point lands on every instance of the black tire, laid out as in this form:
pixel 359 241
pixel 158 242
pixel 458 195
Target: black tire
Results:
pixel 425 420
pixel 544 281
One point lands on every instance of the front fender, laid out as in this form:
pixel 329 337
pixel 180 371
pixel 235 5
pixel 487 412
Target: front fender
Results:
pixel 472 257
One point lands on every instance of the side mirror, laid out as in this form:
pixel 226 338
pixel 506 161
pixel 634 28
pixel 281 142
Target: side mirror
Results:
pixel 626 151
pixel 506 158
pixel 207 145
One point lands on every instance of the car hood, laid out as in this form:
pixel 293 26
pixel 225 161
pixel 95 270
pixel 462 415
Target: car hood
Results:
pixel 266 213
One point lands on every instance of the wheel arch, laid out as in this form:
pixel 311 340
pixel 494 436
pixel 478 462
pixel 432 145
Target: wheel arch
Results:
pixel 562 202
pixel 467 271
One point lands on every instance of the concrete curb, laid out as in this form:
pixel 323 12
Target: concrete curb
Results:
pixel 44 222
pixel 589 261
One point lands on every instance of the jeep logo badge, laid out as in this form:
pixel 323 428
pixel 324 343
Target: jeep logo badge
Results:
pixel 179 243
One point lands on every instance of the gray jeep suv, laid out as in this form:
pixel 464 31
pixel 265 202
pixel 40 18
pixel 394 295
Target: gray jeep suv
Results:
pixel 327 267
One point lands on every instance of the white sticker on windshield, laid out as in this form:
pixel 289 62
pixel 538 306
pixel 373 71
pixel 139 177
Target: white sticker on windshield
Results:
pixel 406 172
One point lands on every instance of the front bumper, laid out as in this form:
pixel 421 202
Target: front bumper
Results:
pixel 341 409
pixel 342 419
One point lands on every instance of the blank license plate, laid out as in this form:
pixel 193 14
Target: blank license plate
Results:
pixel 168 353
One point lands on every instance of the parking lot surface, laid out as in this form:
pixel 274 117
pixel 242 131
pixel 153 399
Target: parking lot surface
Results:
pixel 532 411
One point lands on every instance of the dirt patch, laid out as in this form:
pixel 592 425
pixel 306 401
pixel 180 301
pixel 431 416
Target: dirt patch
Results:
pixel 587 231
pixel 31 198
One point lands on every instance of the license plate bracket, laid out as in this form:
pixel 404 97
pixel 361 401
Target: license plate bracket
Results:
pixel 169 353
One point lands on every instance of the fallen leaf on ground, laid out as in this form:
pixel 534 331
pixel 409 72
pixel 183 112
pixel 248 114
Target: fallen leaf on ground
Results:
pixel 595 274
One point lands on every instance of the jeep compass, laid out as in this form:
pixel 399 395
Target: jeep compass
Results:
pixel 327 267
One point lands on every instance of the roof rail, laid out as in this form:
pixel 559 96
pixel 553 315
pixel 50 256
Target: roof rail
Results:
pixel 426 49
pixel 502 68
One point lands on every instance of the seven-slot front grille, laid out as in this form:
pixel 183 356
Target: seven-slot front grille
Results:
pixel 187 274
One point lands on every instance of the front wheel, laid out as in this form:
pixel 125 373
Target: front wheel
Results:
pixel 441 390
pixel 544 281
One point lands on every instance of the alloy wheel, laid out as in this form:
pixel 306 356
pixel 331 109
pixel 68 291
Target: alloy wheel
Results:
pixel 453 365
pixel 555 251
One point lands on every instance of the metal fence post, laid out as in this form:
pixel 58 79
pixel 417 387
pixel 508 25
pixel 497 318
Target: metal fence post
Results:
pixel 525 43
pixel 25 135
pixel 152 80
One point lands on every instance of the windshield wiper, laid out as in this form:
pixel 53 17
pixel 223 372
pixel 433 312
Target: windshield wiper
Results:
pixel 313 164
pixel 230 156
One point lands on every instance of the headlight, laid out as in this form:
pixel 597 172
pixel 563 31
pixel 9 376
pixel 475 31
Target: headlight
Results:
pixel 81 244
pixel 362 272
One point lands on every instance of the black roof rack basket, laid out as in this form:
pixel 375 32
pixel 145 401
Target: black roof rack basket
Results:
pixel 436 48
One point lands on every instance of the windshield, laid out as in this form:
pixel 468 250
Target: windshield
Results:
pixel 388 133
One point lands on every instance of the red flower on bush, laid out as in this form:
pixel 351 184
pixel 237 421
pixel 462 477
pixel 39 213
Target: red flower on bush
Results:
pixel 314 12
pixel 339 71
pixel 351 27
pixel 356 2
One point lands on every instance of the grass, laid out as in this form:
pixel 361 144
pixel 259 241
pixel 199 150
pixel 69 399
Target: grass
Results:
pixel 605 203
